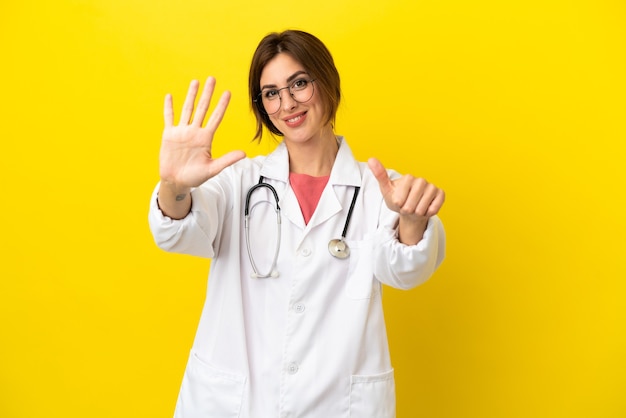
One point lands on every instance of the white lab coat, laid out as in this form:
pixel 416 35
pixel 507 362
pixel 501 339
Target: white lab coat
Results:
pixel 311 342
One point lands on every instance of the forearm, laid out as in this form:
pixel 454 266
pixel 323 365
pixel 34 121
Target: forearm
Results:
pixel 406 266
pixel 192 235
pixel 174 202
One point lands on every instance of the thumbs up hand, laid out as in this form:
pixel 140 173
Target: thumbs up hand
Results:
pixel 413 198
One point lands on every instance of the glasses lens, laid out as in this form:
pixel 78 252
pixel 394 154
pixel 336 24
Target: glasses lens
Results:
pixel 270 101
pixel 301 90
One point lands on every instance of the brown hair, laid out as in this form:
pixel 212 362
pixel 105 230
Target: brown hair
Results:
pixel 308 51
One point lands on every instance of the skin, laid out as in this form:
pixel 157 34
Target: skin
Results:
pixel 312 145
pixel 186 160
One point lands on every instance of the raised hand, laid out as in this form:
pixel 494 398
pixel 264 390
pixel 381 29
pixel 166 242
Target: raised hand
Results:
pixel 186 160
pixel 413 198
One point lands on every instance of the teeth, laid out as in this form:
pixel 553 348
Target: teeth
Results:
pixel 294 119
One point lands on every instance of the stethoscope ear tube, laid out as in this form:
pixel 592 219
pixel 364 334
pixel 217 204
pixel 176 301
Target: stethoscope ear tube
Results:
pixel 252 189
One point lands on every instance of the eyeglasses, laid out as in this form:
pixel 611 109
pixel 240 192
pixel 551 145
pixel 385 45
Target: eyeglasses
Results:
pixel 269 100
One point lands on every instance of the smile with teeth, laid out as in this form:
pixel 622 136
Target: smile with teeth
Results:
pixel 295 120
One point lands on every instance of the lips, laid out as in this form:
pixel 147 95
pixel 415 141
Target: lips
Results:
pixel 293 121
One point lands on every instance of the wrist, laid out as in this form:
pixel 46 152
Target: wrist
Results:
pixel 174 189
pixel 411 229
pixel 174 201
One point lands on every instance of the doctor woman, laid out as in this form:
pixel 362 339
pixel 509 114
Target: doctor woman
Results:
pixel 301 242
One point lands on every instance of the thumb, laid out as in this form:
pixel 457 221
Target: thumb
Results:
pixel 227 160
pixel 381 175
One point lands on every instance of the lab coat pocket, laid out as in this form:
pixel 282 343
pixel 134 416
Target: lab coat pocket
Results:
pixel 361 283
pixel 209 392
pixel 373 396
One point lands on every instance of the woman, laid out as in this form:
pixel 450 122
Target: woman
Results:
pixel 293 323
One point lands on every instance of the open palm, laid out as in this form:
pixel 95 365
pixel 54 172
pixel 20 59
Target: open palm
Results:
pixel 186 159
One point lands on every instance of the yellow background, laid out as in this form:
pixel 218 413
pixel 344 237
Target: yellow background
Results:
pixel 516 108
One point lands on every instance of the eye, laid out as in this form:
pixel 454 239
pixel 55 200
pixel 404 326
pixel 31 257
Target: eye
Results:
pixel 270 94
pixel 299 84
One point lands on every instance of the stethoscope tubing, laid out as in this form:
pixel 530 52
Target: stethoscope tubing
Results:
pixel 273 272
pixel 337 247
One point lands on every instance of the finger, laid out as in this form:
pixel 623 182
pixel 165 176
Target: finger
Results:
pixel 187 111
pixel 218 112
pixel 204 102
pixel 377 168
pixel 413 189
pixel 168 111
pixel 436 204
pixel 429 192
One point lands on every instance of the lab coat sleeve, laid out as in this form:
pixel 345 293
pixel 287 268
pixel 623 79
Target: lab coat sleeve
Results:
pixel 197 233
pixel 406 266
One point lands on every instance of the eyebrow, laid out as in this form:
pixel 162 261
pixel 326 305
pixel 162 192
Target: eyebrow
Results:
pixel 289 80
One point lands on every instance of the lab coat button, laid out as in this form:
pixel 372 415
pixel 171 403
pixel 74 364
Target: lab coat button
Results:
pixel 299 307
pixel 292 368
pixel 306 252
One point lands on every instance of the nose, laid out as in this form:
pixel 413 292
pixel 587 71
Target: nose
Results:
pixel 286 100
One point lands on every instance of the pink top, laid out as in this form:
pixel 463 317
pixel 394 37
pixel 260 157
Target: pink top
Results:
pixel 308 190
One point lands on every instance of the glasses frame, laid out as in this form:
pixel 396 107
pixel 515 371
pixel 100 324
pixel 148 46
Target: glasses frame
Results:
pixel 259 99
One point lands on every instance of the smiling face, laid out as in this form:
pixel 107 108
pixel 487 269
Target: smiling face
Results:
pixel 303 49
pixel 298 122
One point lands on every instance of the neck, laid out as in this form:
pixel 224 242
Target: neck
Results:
pixel 314 157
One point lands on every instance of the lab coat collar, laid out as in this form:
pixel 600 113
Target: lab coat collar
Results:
pixel 345 171
pixel 276 165
pixel 344 178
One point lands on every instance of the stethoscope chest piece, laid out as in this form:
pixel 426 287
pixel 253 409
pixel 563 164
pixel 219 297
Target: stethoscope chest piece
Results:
pixel 338 248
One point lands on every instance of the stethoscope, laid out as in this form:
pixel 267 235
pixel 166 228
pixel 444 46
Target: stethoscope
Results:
pixel 337 247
